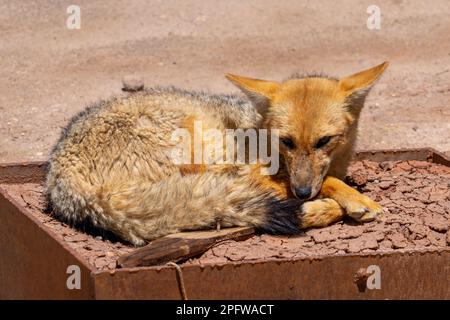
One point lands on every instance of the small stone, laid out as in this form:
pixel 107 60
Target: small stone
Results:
pixel 356 167
pixel 351 232
pixel 372 165
pixel 437 222
pixel 357 245
pixel 385 184
pixel 110 254
pixel 419 230
pixel 100 263
pixel 386 244
pixel 235 256
pixel 403 166
pixel 378 236
pixel 341 246
pixel 422 242
pixel 386 165
pixel 437 239
pixel 370 244
pixel 419 164
pixel 405 189
pixel 396 195
pixel 398 241
pixel 132 84
pixel 354 246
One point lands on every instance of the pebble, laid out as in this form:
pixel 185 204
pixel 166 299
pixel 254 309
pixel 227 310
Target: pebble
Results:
pixel 437 222
pixel 132 84
pixel 398 240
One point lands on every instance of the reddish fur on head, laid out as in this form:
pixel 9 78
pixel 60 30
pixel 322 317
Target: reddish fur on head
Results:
pixel 317 120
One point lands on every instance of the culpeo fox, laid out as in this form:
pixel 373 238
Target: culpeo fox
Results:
pixel 112 167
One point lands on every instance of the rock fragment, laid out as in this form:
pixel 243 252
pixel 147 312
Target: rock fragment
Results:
pixel 132 83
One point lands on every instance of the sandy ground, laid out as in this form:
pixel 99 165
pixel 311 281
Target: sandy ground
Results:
pixel 48 73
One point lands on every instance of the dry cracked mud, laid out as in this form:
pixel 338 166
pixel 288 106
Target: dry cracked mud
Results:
pixel 415 196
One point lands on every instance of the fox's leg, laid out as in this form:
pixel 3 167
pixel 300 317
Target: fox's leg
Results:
pixel 316 213
pixel 355 204
pixel 320 213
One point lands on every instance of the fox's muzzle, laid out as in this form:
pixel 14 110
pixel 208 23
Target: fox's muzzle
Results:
pixel 306 180
pixel 302 192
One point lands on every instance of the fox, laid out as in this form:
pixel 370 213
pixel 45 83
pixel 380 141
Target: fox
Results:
pixel 112 168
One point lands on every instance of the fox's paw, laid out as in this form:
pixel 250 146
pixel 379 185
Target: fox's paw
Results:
pixel 320 213
pixel 361 208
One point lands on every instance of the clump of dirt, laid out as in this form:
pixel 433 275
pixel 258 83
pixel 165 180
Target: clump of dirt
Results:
pixel 415 196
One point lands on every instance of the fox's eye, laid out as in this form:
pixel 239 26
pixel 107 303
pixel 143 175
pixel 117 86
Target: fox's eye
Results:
pixel 322 142
pixel 288 143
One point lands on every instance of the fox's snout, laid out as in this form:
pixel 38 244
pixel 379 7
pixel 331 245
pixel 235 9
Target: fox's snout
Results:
pixel 302 193
pixel 306 175
pixel 306 190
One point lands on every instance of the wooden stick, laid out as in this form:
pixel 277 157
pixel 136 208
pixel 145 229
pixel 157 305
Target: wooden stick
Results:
pixel 181 246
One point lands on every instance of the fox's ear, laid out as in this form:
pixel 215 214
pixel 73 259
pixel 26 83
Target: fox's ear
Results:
pixel 260 92
pixel 359 84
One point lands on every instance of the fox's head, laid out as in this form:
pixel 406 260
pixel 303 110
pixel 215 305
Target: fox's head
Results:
pixel 316 118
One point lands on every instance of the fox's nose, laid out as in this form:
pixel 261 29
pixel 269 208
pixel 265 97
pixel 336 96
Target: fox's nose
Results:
pixel 303 193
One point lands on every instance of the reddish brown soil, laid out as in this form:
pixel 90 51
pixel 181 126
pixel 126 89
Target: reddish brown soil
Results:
pixel 416 199
pixel 415 195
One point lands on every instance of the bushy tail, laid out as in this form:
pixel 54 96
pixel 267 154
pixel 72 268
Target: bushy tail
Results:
pixel 139 212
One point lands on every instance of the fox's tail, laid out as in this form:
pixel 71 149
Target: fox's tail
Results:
pixel 139 212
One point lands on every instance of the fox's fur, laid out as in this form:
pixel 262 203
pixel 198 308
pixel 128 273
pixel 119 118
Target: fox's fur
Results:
pixel 112 168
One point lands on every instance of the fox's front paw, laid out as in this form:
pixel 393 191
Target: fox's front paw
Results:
pixel 356 205
pixel 361 208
